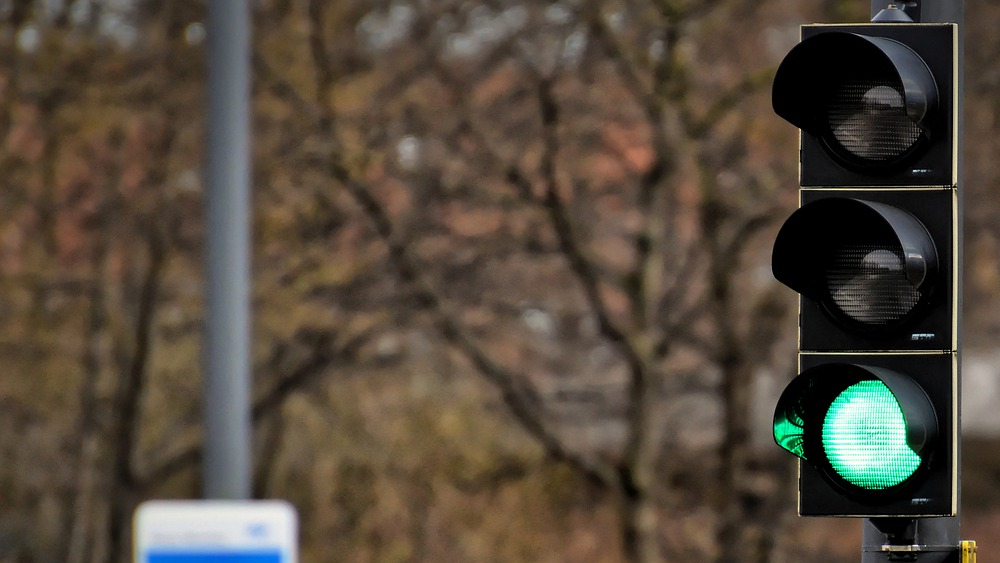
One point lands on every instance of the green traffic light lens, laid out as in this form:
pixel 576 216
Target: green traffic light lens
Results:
pixel 864 437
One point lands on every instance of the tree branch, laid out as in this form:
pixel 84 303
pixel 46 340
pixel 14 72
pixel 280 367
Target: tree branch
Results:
pixel 569 243
pixel 324 352
pixel 698 128
pixel 519 397
pixel 522 400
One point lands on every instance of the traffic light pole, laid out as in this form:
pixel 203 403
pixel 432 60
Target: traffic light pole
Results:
pixel 925 11
pixel 926 540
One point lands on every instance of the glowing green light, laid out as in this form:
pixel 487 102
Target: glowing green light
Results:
pixel 864 437
pixel 788 433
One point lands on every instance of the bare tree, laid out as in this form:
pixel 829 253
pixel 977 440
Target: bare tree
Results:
pixel 677 281
pixel 567 200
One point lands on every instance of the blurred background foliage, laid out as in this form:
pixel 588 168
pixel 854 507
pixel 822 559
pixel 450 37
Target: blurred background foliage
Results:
pixel 512 298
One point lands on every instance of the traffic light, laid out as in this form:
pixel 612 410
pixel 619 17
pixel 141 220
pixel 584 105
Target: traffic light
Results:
pixel 873 253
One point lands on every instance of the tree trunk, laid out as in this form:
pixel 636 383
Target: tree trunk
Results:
pixel 639 521
pixel 639 528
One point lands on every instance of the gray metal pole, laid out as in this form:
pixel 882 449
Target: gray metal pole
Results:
pixel 226 471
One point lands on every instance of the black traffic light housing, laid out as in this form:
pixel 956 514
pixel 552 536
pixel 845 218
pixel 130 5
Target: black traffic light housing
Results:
pixel 873 253
pixel 906 257
pixel 874 101
pixel 925 400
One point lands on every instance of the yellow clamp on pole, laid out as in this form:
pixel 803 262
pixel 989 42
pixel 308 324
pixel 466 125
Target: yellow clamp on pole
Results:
pixel 968 551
